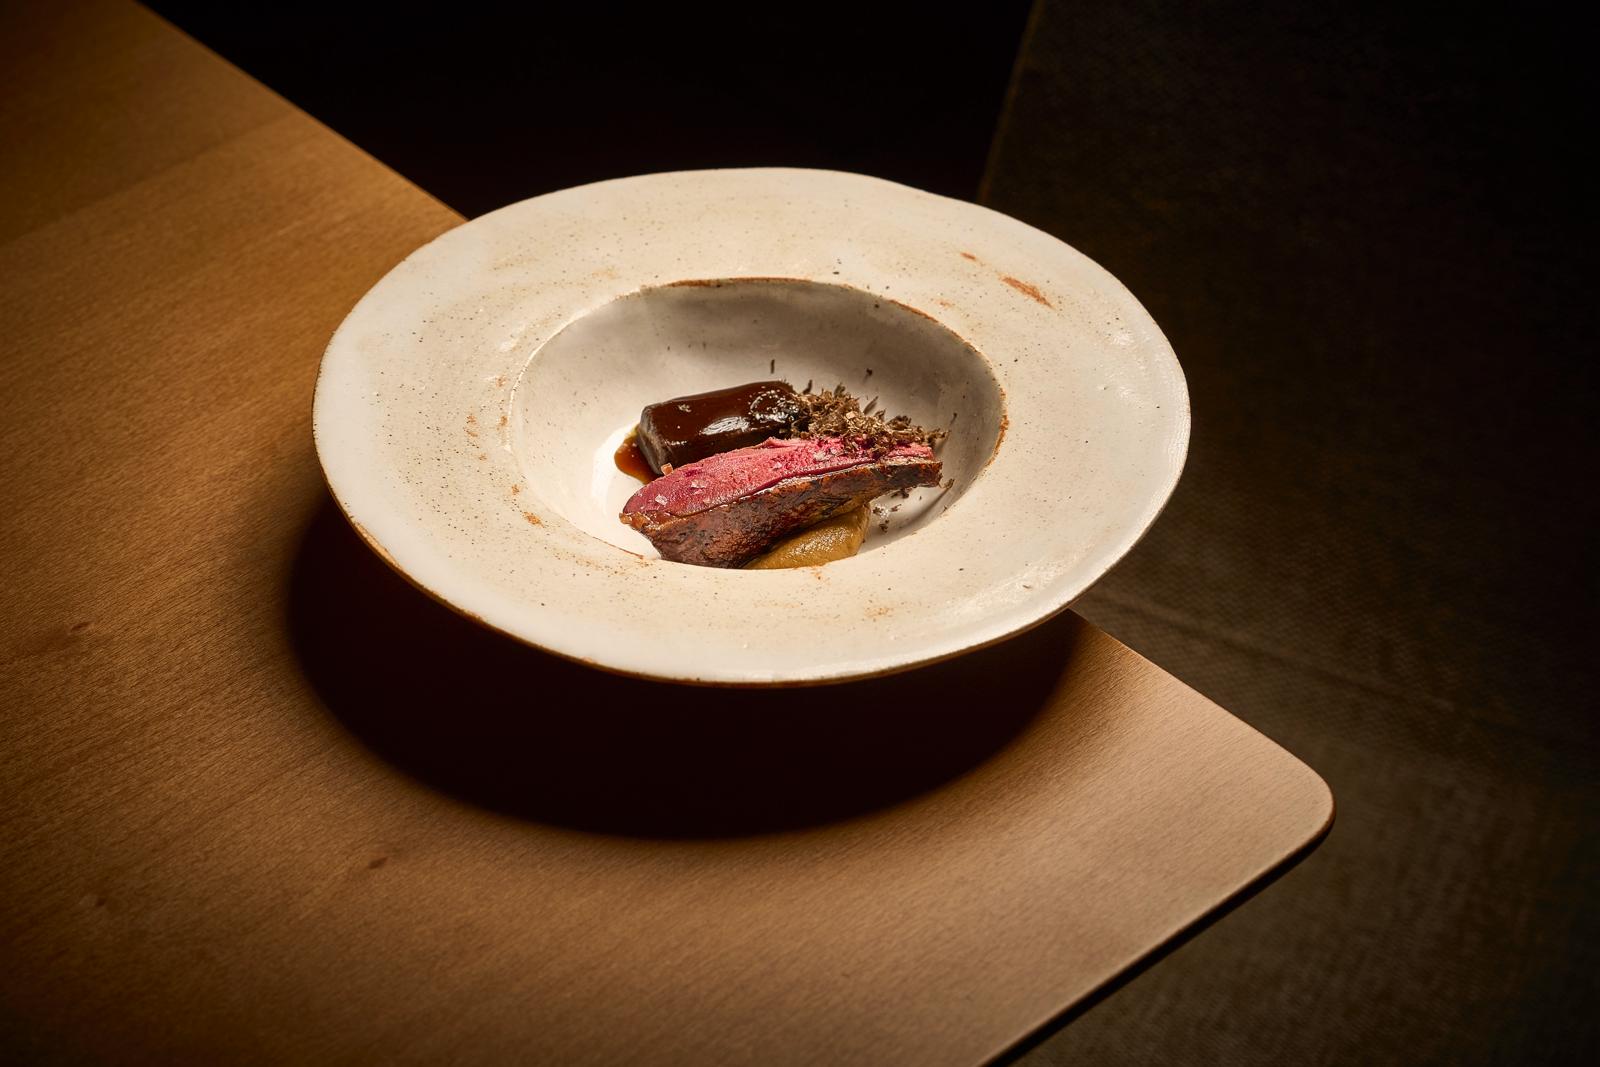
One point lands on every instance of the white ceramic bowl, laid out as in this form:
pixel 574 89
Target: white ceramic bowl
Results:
pixel 468 408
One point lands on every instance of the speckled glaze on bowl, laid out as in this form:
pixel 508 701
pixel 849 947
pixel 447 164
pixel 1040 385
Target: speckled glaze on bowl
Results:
pixel 467 409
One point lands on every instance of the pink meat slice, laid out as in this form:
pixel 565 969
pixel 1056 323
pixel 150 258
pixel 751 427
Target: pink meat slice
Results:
pixel 729 476
pixel 724 510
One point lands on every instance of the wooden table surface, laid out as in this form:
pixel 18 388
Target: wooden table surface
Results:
pixel 261 801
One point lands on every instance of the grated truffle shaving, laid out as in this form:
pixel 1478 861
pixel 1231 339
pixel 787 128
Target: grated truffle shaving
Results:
pixel 836 413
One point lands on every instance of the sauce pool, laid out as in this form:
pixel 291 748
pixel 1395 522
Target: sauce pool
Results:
pixel 630 460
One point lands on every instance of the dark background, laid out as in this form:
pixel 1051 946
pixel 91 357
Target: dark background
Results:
pixel 484 104
pixel 1368 235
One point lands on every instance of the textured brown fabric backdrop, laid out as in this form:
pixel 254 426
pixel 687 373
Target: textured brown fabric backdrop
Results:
pixel 1368 237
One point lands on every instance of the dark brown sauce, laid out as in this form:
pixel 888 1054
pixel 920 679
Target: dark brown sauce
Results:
pixel 631 461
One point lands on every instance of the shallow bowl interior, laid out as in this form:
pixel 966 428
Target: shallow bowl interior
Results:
pixel 580 394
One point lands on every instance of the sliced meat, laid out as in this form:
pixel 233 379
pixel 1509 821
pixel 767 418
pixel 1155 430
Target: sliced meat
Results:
pixel 728 508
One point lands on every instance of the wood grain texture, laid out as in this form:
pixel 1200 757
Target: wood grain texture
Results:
pixel 260 801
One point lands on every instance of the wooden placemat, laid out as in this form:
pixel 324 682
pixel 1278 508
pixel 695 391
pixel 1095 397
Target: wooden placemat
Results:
pixel 260 801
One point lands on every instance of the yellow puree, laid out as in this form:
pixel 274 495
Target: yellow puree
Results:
pixel 830 539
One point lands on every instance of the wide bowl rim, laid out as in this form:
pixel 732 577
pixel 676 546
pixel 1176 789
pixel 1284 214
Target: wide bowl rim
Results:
pixel 1156 495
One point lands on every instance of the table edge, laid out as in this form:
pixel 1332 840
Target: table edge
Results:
pixel 1054 1024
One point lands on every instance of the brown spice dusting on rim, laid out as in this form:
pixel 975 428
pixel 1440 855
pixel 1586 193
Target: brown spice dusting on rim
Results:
pixel 969 255
pixel 533 520
pixel 1029 290
pixel 515 489
pixel 1005 424
pixel 902 305
pixel 718 283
